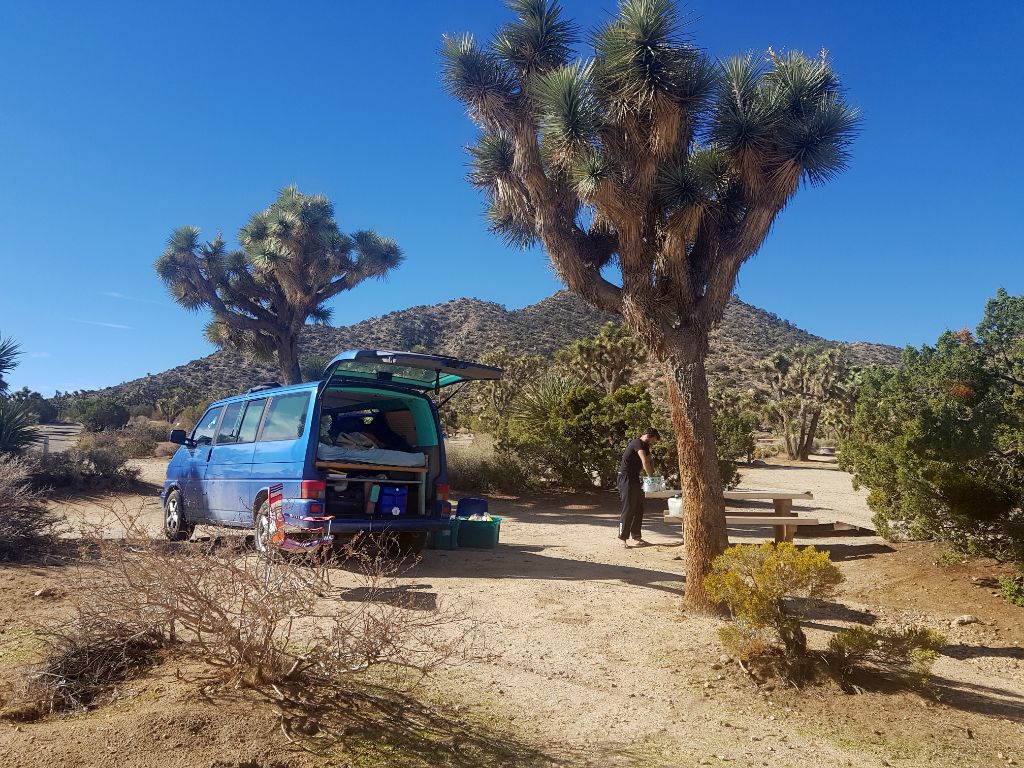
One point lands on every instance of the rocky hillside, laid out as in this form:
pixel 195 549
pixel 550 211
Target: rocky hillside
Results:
pixel 469 328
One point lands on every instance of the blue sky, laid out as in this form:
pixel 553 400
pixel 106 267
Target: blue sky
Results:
pixel 122 121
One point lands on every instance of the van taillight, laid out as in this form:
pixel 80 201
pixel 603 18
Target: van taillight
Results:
pixel 442 491
pixel 314 489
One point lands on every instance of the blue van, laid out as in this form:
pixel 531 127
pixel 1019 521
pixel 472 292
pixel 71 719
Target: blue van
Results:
pixel 361 450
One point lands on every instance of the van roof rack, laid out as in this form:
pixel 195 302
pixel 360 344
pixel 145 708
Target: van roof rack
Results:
pixel 263 385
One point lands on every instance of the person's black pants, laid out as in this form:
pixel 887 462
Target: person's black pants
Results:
pixel 631 492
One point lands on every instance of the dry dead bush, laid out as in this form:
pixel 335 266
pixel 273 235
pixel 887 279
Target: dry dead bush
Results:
pixel 81 668
pixel 27 524
pixel 305 631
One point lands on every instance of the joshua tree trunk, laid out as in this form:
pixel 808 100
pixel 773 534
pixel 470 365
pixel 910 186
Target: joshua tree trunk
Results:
pixel 808 438
pixel 288 359
pixel 699 474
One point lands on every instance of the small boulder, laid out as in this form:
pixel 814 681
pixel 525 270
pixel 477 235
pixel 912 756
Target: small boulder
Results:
pixel 960 621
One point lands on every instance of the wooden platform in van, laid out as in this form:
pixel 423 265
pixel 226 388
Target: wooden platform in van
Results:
pixel 327 466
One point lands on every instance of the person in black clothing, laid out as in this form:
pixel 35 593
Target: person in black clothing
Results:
pixel 636 456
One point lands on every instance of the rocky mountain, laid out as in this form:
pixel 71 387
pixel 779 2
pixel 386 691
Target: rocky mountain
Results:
pixel 469 328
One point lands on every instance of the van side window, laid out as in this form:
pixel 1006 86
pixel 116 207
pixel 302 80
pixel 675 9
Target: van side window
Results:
pixel 228 432
pixel 203 433
pixel 251 420
pixel 286 417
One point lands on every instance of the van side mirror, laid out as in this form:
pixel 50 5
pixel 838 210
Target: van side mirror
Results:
pixel 178 437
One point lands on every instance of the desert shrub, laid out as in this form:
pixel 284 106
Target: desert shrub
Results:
pixel 764 587
pixel 165 450
pixel 98 413
pixel 497 473
pixel 1011 588
pixel 937 440
pixel 26 522
pixel 44 410
pixel 906 653
pixel 141 436
pixel 271 624
pixel 147 411
pixel 97 462
pixel 82 666
pixel 573 432
pixel 18 428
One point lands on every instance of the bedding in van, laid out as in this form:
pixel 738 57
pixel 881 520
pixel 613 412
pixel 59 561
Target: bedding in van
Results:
pixel 370 455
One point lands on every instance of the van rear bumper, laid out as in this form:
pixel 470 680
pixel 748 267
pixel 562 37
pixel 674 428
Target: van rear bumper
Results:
pixel 385 525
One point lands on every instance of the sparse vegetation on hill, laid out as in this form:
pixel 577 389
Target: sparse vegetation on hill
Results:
pixel 472 328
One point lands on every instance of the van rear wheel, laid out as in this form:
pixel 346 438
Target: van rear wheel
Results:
pixel 264 530
pixel 176 526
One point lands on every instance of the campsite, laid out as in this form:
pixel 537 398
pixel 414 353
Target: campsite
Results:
pixel 523 383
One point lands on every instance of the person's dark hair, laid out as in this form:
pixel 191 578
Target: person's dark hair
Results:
pixel 652 432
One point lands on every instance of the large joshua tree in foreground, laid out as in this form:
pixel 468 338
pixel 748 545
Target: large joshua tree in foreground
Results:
pixel 294 259
pixel 655 159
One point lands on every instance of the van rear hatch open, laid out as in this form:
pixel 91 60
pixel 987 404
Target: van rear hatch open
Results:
pixel 407 369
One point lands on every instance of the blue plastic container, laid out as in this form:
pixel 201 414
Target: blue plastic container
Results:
pixel 393 500
pixel 471 506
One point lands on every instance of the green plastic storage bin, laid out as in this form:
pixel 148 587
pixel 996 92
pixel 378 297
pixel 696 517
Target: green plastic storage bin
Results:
pixel 479 533
pixel 446 538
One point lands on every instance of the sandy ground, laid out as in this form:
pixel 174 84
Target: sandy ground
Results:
pixel 597 664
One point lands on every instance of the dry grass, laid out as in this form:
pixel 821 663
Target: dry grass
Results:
pixel 308 633
pixel 27 525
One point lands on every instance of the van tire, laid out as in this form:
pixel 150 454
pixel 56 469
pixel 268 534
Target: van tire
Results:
pixel 177 526
pixel 263 529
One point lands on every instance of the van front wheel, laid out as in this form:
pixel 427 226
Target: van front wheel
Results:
pixel 176 525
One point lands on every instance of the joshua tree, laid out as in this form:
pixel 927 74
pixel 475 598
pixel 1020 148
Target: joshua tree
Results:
pixel 607 360
pixel 652 158
pixel 799 386
pixel 294 259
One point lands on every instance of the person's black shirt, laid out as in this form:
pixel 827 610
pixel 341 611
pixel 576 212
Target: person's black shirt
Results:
pixel 631 464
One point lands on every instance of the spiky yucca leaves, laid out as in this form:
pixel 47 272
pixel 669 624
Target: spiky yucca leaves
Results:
pixel 10 351
pixel 18 430
pixel 294 259
pixel 654 158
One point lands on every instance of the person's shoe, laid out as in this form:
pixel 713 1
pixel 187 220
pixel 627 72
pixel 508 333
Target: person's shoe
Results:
pixel 625 543
pixel 641 543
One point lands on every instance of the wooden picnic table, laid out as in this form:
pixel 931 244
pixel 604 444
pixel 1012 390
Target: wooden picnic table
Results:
pixel 782 501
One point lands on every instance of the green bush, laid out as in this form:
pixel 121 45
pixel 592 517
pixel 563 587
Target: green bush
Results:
pixel 758 583
pixel 938 439
pixel 572 432
pixel 1011 588
pixel 98 413
pixel 902 653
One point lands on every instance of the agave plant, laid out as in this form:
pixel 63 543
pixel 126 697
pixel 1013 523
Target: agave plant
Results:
pixel 650 173
pixel 18 428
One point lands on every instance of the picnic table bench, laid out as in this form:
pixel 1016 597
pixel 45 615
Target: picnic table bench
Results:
pixel 783 519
